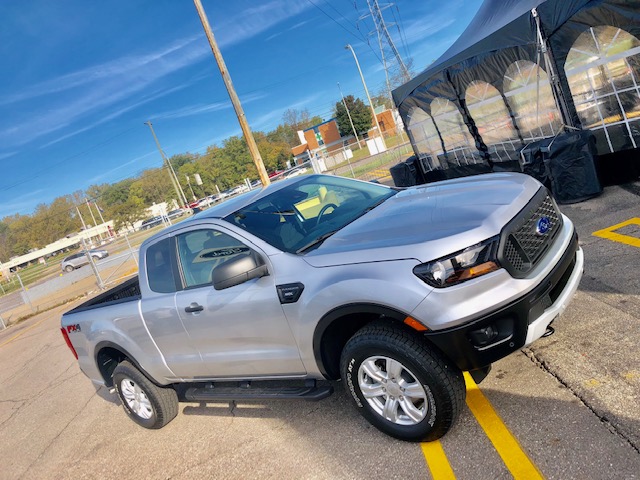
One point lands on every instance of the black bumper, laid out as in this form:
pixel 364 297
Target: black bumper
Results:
pixel 460 344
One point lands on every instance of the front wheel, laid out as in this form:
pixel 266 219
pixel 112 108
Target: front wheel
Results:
pixel 401 386
pixel 147 404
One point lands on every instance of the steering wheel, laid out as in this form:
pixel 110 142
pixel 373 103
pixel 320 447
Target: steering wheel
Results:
pixel 323 211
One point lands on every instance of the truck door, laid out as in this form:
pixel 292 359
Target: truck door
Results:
pixel 239 331
pixel 161 315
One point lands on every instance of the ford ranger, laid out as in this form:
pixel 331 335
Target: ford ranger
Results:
pixel 280 291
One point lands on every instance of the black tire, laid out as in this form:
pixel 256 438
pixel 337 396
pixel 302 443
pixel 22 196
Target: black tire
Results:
pixel 69 268
pixel 428 386
pixel 159 405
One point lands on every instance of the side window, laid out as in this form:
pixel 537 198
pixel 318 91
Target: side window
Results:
pixel 159 268
pixel 200 251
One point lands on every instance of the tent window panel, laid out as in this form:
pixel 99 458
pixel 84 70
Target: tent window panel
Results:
pixel 456 136
pixel 630 101
pixel 529 93
pixel 619 137
pixel 589 114
pixel 491 116
pixel 603 69
pixel 610 109
pixel 425 136
pixel 621 73
pixel 635 131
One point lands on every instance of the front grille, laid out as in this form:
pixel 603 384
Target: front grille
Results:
pixel 524 241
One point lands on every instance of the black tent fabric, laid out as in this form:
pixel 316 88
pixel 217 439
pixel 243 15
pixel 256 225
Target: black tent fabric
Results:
pixel 465 104
pixel 498 24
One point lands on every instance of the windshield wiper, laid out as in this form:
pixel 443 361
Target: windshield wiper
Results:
pixel 316 242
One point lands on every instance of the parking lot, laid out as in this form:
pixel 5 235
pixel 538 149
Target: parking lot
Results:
pixel 567 407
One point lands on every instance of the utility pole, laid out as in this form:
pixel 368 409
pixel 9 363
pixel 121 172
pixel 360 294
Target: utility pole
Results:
pixel 366 90
pixel 172 173
pixel 95 224
pixel 246 130
pixel 349 115
pixel 84 225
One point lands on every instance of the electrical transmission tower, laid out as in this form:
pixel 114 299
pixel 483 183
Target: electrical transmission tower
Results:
pixel 394 66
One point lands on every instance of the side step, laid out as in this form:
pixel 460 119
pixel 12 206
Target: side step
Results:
pixel 211 393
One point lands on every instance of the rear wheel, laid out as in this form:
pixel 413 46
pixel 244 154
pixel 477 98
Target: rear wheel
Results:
pixel 68 268
pixel 400 386
pixel 147 404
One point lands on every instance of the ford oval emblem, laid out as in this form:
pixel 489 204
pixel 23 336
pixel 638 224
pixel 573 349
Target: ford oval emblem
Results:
pixel 543 225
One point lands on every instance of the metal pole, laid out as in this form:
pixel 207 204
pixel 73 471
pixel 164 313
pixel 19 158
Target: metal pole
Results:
pixel 84 225
pixel 246 130
pixel 95 224
pixel 101 217
pixel 192 192
pixel 135 257
pixel 366 90
pixel 174 179
pixel 26 295
pixel 349 115
pixel 93 265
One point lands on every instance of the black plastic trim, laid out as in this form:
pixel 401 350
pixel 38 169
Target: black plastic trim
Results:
pixel 107 344
pixel 512 321
pixel 345 310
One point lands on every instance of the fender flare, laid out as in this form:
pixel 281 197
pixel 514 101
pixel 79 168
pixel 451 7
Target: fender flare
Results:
pixel 107 344
pixel 333 315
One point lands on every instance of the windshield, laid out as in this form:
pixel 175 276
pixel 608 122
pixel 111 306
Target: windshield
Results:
pixel 296 217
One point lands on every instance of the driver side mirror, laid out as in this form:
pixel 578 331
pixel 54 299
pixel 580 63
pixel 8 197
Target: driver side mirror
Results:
pixel 239 270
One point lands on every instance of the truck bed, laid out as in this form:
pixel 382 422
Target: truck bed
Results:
pixel 125 292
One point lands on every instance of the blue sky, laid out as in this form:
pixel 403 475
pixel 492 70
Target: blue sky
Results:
pixel 79 78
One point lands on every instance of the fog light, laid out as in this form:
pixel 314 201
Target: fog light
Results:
pixel 483 336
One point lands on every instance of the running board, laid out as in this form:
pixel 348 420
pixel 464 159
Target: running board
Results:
pixel 245 391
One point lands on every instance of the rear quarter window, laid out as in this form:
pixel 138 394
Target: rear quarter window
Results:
pixel 160 270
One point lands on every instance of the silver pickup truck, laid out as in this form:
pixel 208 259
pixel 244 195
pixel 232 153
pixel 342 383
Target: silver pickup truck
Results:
pixel 278 292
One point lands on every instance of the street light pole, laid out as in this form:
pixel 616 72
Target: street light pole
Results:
pixel 349 115
pixel 366 90
pixel 244 125
pixel 172 173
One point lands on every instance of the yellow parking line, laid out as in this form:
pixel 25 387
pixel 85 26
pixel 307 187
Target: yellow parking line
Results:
pixel 21 333
pixel 610 234
pixel 437 461
pixel 514 458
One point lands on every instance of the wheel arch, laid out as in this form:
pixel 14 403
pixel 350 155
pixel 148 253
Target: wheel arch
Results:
pixel 337 326
pixel 108 355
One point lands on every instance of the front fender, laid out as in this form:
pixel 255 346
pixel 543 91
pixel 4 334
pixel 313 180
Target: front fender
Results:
pixel 377 286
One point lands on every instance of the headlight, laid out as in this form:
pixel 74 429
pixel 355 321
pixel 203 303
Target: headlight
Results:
pixel 469 263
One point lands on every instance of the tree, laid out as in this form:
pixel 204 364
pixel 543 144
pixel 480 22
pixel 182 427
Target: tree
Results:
pixel 126 214
pixel 293 121
pixel 360 115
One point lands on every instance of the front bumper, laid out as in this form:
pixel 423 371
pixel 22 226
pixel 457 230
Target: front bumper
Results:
pixel 517 324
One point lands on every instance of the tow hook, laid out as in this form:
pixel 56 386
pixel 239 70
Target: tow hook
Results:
pixel 550 331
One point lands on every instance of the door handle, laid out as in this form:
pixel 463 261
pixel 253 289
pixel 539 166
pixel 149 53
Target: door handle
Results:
pixel 194 307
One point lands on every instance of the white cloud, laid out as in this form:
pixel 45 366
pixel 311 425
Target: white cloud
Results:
pixel 275 115
pixel 21 203
pixel 198 109
pixel 70 98
pixel 108 173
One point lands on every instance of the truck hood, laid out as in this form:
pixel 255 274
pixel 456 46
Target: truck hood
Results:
pixel 428 222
